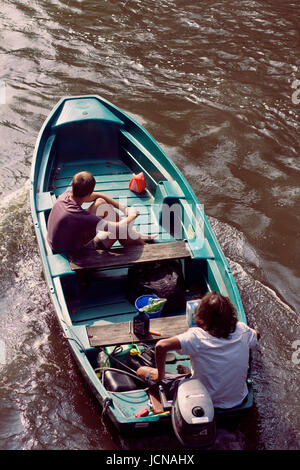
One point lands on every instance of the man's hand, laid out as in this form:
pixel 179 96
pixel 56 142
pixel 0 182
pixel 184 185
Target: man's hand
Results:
pixel 131 212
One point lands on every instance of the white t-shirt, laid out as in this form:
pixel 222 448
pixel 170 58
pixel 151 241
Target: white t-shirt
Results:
pixel 220 363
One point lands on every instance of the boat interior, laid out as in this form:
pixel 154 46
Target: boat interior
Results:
pixel 98 296
pixel 113 157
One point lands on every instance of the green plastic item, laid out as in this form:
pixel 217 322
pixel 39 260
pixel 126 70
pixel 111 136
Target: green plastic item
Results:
pixel 154 305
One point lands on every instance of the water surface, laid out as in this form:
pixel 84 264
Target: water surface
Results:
pixel 212 82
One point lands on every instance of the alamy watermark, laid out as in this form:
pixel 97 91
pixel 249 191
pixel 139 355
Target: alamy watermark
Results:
pixel 178 220
pixel 2 92
pixel 296 94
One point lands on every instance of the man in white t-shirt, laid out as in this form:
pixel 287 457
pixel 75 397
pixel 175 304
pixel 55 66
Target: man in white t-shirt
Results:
pixel 218 348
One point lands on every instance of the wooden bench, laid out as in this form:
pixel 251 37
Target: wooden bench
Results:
pixel 126 256
pixel 122 333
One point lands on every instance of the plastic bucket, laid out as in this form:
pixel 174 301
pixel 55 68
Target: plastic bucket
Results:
pixel 143 300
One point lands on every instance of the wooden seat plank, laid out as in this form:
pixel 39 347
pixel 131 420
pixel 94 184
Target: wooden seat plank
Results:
pixel 126 256
pixel 122 333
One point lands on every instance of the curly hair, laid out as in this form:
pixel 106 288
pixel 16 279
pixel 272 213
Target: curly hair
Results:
pixel 216 315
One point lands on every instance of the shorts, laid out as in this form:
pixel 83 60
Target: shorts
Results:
pixel 96 244
pixel 103 239
pixel 170 383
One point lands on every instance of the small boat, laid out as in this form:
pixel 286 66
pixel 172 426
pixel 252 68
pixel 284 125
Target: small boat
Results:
pixel 88 133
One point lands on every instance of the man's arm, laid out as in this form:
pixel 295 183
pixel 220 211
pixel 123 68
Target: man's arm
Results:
pixel 161 349
pixel 108 199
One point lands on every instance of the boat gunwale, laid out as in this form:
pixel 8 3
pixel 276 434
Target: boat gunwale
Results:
pixel 68 329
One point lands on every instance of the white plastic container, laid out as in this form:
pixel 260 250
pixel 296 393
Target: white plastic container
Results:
pixel 191 308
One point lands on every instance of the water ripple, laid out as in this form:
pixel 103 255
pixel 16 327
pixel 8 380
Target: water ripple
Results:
pixel 213 84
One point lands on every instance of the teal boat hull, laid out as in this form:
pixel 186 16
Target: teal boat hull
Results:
pixel 73 138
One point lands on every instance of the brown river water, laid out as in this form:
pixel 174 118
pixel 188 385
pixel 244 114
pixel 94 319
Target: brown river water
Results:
pixel 217 83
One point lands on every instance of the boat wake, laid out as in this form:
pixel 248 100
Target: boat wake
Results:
pixel 275 371
pixel 43 395
pixel 39 376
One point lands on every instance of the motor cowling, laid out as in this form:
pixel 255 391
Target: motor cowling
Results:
pixel 193 415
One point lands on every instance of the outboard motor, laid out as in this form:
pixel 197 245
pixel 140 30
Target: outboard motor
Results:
pixel 193 415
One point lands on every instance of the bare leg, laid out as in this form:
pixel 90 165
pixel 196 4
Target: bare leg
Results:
pixel 117 228
pixel 101 208
pixel 134 234
pixel 146 372
pixel 129 236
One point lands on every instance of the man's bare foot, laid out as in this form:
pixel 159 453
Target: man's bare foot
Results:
pixel 148 238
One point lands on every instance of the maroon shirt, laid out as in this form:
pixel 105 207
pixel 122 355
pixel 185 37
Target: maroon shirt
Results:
pixel 70 227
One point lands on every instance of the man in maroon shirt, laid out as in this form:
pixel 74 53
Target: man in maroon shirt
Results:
pixel 70 227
